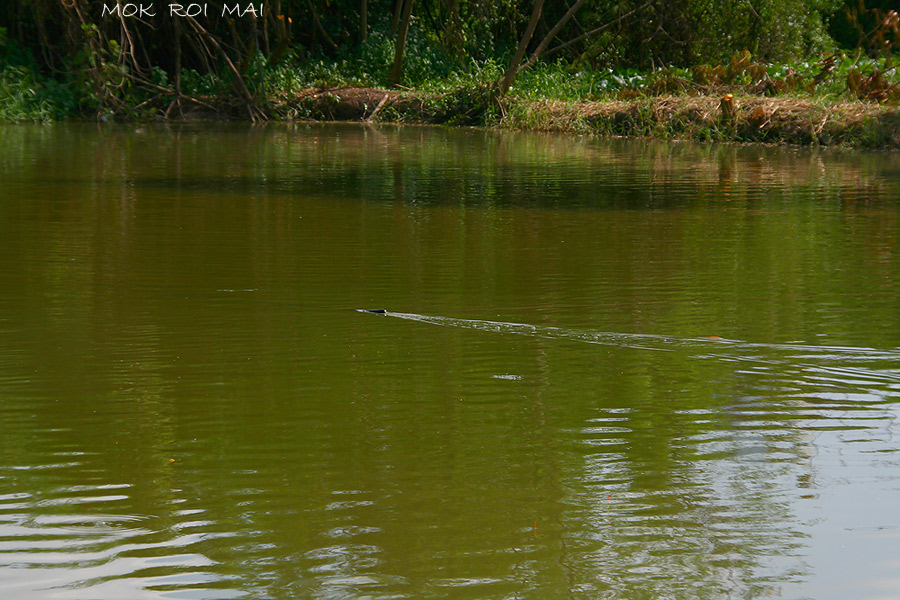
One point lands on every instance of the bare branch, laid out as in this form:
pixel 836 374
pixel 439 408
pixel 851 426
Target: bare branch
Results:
pixel 513 70
pixel 552 34
pixel 601 28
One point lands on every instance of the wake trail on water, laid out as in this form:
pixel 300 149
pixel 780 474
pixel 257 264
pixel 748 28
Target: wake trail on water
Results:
pixel 846 360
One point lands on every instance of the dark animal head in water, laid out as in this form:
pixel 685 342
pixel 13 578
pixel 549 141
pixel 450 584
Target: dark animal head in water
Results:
pixel 377 311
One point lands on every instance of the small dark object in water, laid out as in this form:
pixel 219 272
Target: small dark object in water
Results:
pixel 377 311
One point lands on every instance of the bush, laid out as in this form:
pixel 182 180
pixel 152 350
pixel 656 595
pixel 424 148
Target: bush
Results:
pixel 25 94
pixel 684 33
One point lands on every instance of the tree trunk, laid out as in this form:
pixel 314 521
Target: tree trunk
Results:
pixel 397 69
pixel 395 19
pixel 513 70
pixel 363 21
pixel 177 25
pixel 552 34
pixel 280 24
pixel 451 31
pixel 318 24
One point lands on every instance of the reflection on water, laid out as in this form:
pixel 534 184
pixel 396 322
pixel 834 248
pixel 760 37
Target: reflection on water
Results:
pixel 672 371
pixel 723 511
pixel 60 542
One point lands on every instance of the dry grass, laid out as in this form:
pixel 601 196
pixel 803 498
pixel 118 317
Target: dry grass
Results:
pixel 746 119
pixel 778 120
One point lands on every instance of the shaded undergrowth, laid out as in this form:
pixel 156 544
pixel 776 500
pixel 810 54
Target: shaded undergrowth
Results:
pixel 838 99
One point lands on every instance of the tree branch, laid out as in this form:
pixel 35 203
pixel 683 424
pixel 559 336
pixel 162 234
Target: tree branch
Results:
pixel 513 70
pixel 552 34
pixel 601 28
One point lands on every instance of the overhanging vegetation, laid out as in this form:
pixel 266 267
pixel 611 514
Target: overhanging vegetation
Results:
pixel 481 62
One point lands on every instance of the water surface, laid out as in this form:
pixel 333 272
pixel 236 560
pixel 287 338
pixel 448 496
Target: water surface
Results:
pixel 609 369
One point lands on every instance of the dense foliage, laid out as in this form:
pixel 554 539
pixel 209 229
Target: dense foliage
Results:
pixel 115 57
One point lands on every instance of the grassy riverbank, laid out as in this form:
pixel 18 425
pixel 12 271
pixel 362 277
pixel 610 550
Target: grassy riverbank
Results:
pixel 733 118
pixel 834 101
pixel 792 71
pixel 724 118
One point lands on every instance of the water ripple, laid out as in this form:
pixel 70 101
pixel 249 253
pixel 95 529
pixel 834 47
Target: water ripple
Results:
pixel 68 539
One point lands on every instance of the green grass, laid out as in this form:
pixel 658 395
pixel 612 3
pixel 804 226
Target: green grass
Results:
pixel 459 91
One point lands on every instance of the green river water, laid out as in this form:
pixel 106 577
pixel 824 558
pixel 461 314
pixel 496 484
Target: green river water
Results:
pixel 609 369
